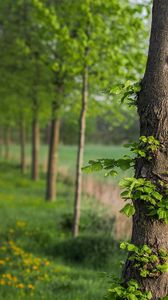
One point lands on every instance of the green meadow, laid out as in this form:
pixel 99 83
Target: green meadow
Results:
pixel 38 257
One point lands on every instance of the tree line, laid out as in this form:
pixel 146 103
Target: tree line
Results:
pixel 59 60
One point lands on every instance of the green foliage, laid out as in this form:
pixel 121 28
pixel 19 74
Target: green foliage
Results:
pixel 146 147
pixel 129 92
pixel 87 250
pixel 91 221
pixel 109 165
pixel 128 210
pixel 148 192
pixel 131 291
pixel 38 236
pixel 140 189
pixel 147 262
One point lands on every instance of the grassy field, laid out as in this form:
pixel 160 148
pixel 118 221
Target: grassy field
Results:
pixel 38 257
pixel 67 155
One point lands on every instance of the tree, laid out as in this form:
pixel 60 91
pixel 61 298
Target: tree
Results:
pixel 96 32
pixel 153 112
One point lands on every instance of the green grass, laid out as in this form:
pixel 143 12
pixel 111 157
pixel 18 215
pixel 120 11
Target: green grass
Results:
pixel 68 153
pixel 78 268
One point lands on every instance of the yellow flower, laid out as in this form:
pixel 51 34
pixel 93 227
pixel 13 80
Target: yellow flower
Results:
pixel 14 278
pixel 20 286
pixel 35 268
pixel 7 275
pixel 2 262
pixel 47 263
pixel 2 281
pixel 30 286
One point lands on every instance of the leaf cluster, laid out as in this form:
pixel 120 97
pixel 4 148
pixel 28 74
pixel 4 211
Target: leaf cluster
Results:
pixel 129 92
pixel 148 263
pixel 145 190
pixel 109 165
pixel 131 292
pixel 146 147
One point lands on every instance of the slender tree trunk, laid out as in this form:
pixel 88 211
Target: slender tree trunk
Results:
pixel 1 143
pixel 35 147
pixel 153 112
pixel 22 147
pixel 7 140
pixel 51 189
pixel 47 133
pixel 81 144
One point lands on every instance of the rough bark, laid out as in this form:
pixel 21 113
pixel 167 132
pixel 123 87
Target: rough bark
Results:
pixel 35 147
pixel 22 147
pixel 153 112
pixel 52 170
pixel 81 143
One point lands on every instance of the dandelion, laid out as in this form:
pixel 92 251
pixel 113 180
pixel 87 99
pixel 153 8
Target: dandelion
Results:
pixel 30 286
pixel 8 276
pixel 20 286
pixel 2 281
pixel 14 279
pixel 2 262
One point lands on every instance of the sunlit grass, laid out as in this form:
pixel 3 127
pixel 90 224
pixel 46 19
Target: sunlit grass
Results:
pixel 36 238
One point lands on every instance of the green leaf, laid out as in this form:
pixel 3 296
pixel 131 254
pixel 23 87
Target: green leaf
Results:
pixel 123 245
pixel 132 297
pixel 111 173
pixel 124 163
pixel 94 166
pixel 116 90
pixel 162 268
pixel 144 273
pixel 132 247
pixel 128 210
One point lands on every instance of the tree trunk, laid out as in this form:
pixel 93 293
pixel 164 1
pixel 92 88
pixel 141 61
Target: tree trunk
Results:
pixel 7 140
pixel 1 143
pixel 81 143
pixel 22 147
pixel 47 133
pixel 35 148
pixel 153 112
pixel 52 170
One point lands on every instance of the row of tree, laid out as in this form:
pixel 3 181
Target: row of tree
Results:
pixel 57 56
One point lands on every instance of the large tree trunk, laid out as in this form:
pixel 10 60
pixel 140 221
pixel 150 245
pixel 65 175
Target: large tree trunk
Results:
pixel 52 170
pixel 35 147
pixel 22 147
pixel 153 112
pixel 81 144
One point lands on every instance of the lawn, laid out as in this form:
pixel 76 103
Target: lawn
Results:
pixel 38 257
